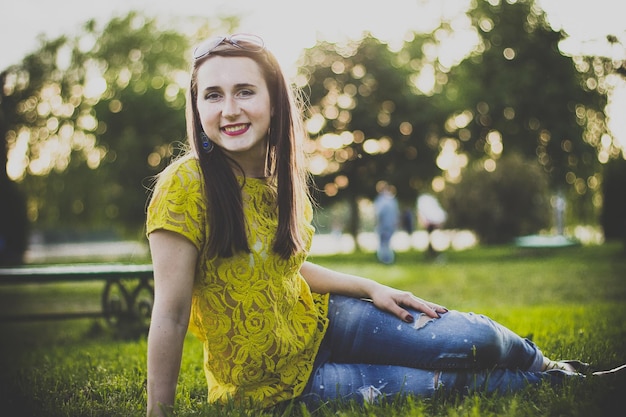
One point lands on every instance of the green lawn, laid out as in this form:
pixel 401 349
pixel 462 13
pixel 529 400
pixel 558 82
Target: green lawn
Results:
pixel 570 301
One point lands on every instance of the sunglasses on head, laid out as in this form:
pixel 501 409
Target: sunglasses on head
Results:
pixel 243 41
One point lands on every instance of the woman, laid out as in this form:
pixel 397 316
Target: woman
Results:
pixel 229 227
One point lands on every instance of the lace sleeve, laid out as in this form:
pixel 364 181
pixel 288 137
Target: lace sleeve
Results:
pixel 177 203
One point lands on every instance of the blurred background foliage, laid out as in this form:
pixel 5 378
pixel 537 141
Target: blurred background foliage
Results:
pixel 87 121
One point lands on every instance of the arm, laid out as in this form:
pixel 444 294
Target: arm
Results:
pixel 174 260
pixel 323 280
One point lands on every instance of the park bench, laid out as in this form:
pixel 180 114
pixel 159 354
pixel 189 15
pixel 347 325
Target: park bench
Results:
pixel 126 299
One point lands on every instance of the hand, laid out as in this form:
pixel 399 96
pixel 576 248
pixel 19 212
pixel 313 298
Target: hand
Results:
pixel 393 300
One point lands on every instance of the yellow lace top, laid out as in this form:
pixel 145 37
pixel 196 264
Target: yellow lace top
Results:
pixel 260 324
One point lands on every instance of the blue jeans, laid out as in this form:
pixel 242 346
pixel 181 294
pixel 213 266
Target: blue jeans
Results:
pixel 368 355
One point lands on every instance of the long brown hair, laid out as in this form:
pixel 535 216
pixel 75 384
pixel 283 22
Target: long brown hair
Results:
pixel 227 229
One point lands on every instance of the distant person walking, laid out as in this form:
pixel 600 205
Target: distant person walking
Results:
pixel 387 219
pixel 431 216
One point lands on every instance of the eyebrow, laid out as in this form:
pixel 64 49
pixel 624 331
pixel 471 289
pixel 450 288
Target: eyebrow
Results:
pixel 237 86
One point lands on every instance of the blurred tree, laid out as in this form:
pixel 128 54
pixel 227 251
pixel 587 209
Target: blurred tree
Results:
pixel 366 123
pixel 497 205
pixel 521 95
pixel 412 119
pixel 17 86
pixel 140 115
pixel 613 218
pixel 13 223
pixel 91 119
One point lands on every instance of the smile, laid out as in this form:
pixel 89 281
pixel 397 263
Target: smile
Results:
pixel 235 129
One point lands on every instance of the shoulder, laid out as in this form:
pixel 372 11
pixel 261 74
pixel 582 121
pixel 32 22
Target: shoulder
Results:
pixel 177 201
pixel 185 164
pixel 182 170
pixel 179 182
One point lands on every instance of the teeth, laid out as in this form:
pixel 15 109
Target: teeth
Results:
pixel 234 128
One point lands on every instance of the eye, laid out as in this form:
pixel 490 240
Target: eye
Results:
pixel 245 92
pixel 212 96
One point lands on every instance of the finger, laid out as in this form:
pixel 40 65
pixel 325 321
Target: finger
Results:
pixel 428 308
pixel 402 313
pixel 395 308
pixel 438 308
pixel 434 306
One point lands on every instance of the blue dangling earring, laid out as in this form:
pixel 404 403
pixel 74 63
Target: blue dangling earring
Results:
pixel 207 145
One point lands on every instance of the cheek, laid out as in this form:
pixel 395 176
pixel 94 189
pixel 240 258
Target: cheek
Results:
pixel 207 114
pixel 263 113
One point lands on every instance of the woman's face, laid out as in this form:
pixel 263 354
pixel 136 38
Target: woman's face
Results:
pixel 234 108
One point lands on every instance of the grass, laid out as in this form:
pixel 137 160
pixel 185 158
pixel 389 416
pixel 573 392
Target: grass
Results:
pixel 571 302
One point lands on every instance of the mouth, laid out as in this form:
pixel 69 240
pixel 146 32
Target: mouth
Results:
pixel 234 130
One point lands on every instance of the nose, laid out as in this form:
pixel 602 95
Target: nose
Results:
pixel 231 108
